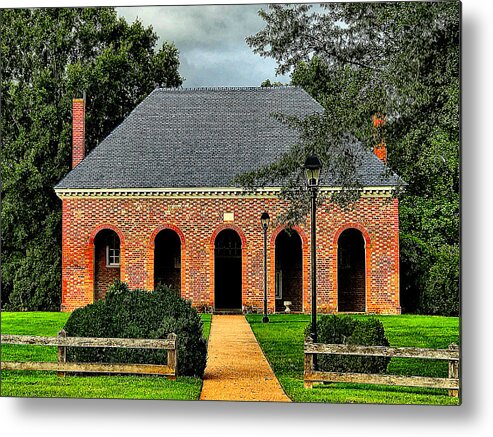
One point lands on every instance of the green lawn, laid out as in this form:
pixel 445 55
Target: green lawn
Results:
pixel 48 384
pixel 282 343
pixel 206 320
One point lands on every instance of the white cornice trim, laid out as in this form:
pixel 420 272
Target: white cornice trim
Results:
pixel 205 192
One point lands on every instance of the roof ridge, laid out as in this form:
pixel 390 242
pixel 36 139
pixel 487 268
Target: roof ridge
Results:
pixel 227 88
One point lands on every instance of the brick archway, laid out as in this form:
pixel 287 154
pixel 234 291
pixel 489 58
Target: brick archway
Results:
pixel 352 225
pixel 279 229
pixel 271 254
pixel 149 273
pixel 288 265
pixel 367 259
pixel 102 227
pixel 231 226
pixel 91 256
pixel 212 242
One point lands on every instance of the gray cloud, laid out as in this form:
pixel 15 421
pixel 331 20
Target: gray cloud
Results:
pixel 211 41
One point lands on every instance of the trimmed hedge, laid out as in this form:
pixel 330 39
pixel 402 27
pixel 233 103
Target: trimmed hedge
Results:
pixel 343 329
pixel 126 313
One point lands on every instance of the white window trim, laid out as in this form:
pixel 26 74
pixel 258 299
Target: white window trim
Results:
pixel 108 263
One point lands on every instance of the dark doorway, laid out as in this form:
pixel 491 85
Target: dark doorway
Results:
pixel 227 271
pixel 351 271
pixel 289 271
pixel 167 260
pixel 106 261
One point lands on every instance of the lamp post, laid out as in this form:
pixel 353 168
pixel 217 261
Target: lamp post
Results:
pixel 312 173
pixel 264 220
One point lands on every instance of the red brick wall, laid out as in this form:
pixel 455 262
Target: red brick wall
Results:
pixel 197 221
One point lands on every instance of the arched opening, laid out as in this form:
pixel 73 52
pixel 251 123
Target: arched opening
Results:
pixel 167 260
pixel 106 261
pixel 351 271
pixel 289 271
pixel 227 271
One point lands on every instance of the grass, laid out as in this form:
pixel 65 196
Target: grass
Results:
pixel 48 384
pixel 282 342
pixel 206 320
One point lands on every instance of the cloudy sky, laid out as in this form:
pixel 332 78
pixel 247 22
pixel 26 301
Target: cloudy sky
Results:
pixel 211 41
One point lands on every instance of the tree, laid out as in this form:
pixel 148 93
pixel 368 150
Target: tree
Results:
pixel 268 84
pixel 397 59
pixel 48 57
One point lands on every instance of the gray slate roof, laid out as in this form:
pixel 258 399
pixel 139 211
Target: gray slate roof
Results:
pixel 201 137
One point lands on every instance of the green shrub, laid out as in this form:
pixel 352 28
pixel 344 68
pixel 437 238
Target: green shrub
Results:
pixel 126 313
pixel 342 329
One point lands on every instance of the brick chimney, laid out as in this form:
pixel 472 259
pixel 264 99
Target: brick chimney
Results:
pixel 78 131
pixel 381 151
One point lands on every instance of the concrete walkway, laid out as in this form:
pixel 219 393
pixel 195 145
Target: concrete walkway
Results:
pixel 236 367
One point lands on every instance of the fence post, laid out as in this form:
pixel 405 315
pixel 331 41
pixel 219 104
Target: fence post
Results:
pixel 62 351
pixel 172 357
pixel 453 370
pixel 308 367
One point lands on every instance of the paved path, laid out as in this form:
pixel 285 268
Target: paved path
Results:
pixel 236 367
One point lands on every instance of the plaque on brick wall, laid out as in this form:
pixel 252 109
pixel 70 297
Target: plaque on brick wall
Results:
pixel 229 216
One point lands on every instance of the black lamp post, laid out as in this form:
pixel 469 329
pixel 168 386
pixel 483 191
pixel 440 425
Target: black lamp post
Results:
pixel 313 167
pixel 264 220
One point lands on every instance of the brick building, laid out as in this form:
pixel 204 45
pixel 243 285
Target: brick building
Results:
pixel 155 203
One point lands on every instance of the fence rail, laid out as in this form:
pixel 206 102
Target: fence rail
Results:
pixel 451 355
pixel 62 366
pixel 139 343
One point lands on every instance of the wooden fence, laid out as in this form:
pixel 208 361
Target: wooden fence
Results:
pixel 62 366
pixel 451 354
